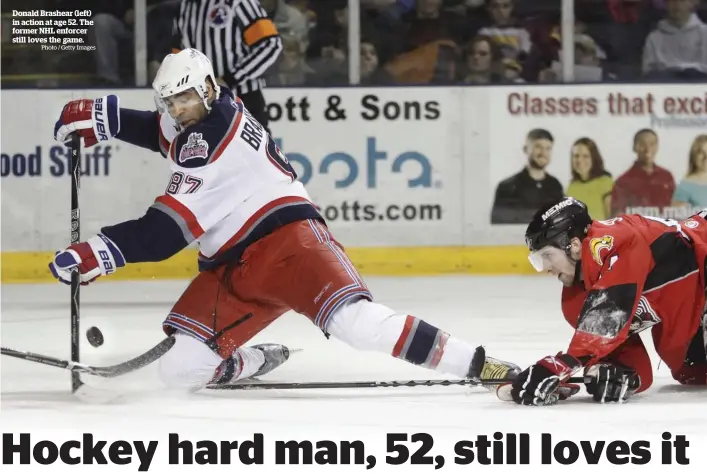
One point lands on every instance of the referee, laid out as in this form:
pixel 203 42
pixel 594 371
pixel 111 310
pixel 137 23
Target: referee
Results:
pixel 239 39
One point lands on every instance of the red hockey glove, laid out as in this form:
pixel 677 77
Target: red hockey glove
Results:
pixel 94 120
pixel 96 257
pixel 544 382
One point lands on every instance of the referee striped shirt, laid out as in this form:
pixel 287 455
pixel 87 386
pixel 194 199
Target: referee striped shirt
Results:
pixel 236 35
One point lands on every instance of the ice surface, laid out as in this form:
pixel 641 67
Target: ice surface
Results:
pixel 516 318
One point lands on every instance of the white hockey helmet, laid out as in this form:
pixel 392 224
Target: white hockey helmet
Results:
pixel 187 69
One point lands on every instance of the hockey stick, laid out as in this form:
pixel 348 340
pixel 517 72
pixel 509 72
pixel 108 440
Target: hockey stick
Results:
pixel 75 274
pixel 77 368
pixel 390 384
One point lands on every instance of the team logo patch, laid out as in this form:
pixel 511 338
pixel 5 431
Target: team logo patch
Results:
pixel 195 147
pixel 598 244
pixel 690 224
pixel 218 16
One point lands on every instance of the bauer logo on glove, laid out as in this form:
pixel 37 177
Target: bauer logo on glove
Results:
pixel 94 120
pixel 96 257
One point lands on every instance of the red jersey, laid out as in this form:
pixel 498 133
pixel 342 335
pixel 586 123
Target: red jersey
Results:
pixel 638 273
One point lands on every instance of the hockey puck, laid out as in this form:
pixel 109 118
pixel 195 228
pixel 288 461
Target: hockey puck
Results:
pixel 94 336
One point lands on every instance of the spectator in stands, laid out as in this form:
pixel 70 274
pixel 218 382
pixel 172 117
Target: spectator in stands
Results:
pixel 645 188
pixel 678 46
pixel 692 190
pixel 306 10
pixel 371 71
pixel 160 28
pixel 513 39
pixel 588 63
pixel 620 28
pixel 328 49
pixel 112 35
pixel 292 68
pixel 429 53
pixel 590 182
pixel 511 71
pixel 481 61
pixel 519 197
pixel 288 20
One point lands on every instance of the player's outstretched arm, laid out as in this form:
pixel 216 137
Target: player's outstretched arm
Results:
pixel 154 237
pixel 192 204
pixel 103 119
pixel 140 128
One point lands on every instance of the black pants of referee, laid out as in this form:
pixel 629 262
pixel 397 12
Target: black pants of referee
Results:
pixel 254 101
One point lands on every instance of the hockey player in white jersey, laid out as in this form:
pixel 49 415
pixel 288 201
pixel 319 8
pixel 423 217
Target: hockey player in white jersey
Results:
pixel 264 249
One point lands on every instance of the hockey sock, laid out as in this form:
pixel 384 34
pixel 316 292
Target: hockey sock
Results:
pixel 422 344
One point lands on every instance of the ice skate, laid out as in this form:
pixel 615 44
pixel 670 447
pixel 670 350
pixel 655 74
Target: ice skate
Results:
pixel 245 363
pixel 487 368
pixel 275 356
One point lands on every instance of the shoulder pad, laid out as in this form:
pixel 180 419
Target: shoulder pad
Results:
pixel 204 142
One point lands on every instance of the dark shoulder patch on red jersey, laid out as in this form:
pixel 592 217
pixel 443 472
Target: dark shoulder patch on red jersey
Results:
pixel 606 312
pixel 203 143
pixel 674 259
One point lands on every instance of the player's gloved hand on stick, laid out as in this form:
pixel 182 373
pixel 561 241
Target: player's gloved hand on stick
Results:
pixel 544 383
pixel 96 257
pixel 611 382
pixel 94 120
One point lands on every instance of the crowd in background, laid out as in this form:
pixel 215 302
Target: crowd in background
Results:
pixel 402 42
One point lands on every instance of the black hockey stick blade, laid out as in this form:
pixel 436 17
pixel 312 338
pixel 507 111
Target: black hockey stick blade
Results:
pixel 110 371
pixel 370 384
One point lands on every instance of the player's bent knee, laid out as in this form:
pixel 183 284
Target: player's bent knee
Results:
pixel 365 325
pixel 189 364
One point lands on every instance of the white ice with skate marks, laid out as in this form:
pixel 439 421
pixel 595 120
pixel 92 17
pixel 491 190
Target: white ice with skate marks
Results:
pixel 515 318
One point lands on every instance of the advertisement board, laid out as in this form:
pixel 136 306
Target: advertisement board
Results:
pixel 620 148
pixel 118 180
pixel 383 165
pixel 410 179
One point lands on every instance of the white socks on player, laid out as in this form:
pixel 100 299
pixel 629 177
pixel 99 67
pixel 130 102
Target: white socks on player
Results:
pixel 369 326
pixel 191 364
pixel 456 358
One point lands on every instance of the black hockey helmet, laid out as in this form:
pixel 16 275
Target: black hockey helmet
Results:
pixel 557 223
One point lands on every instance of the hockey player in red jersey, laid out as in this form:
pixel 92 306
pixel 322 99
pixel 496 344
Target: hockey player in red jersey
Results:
pixel 264 249
pixel 621 276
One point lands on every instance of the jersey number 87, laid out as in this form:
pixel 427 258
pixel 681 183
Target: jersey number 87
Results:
pixel 178 179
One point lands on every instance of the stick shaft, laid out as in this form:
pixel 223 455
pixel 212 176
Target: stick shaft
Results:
pixel 367 384
pixel 75 238
pixel 111 371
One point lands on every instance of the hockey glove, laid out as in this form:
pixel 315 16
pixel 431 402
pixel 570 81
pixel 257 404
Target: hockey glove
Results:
pixel 96 257
pixel 611 382
pixel 544 382
pixel 94 120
